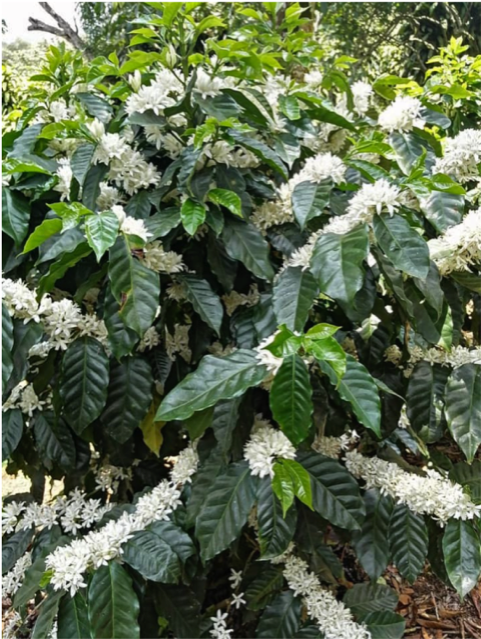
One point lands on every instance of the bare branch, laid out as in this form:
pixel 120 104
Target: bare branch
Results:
pixel 62 30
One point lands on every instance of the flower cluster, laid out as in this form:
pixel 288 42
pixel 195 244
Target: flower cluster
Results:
pixel 160 94
pixel 265 445
pixel 334 446
pixel 158 259
pixel 457 356
pixel 24 397
pixel 233 300
pixel 69 563
pixel 178 342
pixel 266 358
pixel 13 579
pixel 403 114
pixel 462 155
pixel 332 617
pixel 65 175
pixel 108 477
pixel 431 494
pixel 460 246
pixel 220 630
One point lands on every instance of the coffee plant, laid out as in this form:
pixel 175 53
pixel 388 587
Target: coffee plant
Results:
pixel 241 327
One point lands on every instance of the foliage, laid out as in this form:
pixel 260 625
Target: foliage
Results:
pixel 241 325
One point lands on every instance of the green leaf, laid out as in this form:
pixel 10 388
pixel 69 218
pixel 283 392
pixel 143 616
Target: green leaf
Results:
pixel 260 150
pixel 261 591
pixel 202 483
pixel 371 543
pixel 58 269
pixel 47 614
pixel 328 350
pixel 408 150
pixel 275 530
pixel 291 398
pixel 289 106
pixel 205 302
pixel 159 551
pixel 335 492
pixel 180 606
pixel 129 397
pixel 359 389
pixel 425 400
pixel 54 440
pixel 169 11
pixel 216 378
pixel 225 510
pixel 409 542
pixel 463 408
pixel 85 376
pixel 91 186
pixel 80 164
pixel 45 230
pixel 15 215
pixel 294 293
pixel 7 346
pixel 406 249
pixel 15 547
pixel 384 624
pixel 73 620
pixel 192 215
pixel 24 337
pixel 199 422
pixel 282 618
pixel 337 263
pixel 101 231
pixel 300 480
pixel 229 199
pixel 162 223
pixel 96 106
pixel 462 555
pixel 121 339
pixel 12 429
pixel 468 475
pixel 443 209
pixel 363 599
pixel 309 200
pixel 283 487
pixel 245 243
pixel 135 287
pixel 112 604
pixel 224 422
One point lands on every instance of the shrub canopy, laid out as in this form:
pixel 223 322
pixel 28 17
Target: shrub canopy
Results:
pixel 241 315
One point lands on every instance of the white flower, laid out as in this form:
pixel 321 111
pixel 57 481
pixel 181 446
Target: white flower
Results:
pixel 430 495
pixel 24 397
pixel 96 128
pixel 375 198
pixel 163 141
pixel 157 259
pixel 150 339
pixel 266 358
pixel 233 300
pixel 460 246
pixel 402 115
pixel 12 581
pixel 462 155
pixel 333 446
pixel 237 600
pixel 264 446
pixel 457 356
pixel 130 225
pixel 361 93
pixel 235 578
pixel 178 342
pixel 109 196
pixel 219 631
pixel 20 301
pixel 60 111
pixel 135 80
pixel 313 79
pixel 206 85
pixel 65 175
pixel 321 167
pixel 185 465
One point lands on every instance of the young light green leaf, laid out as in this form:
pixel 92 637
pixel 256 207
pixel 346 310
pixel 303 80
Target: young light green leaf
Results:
pixel 192 215
pixel 229 199
pixel 101 231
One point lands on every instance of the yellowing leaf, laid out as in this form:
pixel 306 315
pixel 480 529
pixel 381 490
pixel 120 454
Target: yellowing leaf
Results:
pixel 152 429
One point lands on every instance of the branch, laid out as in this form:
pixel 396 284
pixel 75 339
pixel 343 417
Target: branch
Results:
pixel 62 30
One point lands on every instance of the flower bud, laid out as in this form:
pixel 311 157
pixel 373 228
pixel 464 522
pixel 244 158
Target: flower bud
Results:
pixel 135 80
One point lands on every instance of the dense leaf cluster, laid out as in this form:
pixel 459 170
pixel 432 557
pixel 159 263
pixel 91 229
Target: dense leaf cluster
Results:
pixel 214 304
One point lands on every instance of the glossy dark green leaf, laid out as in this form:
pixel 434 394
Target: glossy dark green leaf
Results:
pixel 409 542
pixel 15 215
pixel 121 339
pixel 135 287
pixel 54 440
pixel 179 605
pixel 81 160
pixel 73 620
pixel 282 618
pixel 275 531
pixel 224 422
pixel 96 106
pixel 205 302
pixel 291 398
pixel 91 186
pixel 468 475
pixel 383 624
pixel 245 243
pixel 85 376
pixel 443 209
pixel 58 269
pixel 101 231
pixel 425 400
pixel 192 215
pixel 14 547
pixel 113 606
pixel 162 223
pixel 159 551
pixel 363 599
pixel 129 397
pixel 406 249
pixel 371 543
pixel 309 200
pixel 359 389
pixel 337 263
pixel 294 293
pixel 462 554
pixel 262 590
pixel 335 492
pixel 463 408
pixel 225 510
pixel 216 378
pixel 12 429
pixel 408 149
pixel 7 346
pixel 47 614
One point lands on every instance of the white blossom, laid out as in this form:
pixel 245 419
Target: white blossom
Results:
pixel 402 115
pixel 266 358
pixel 432 494
pixel 158 259
pixel 96 128
pixel 109 197
pixel 167 142
pixel 178 342
pixel 131 225
pixel 150 339
pixel 220 631
pixel 238 600
pixel 460 246
pixel 233 300
pixel 321 167
pixel 265 445
pixel 361 93
pixel 65 174
pixel 235 578
pixel 12 581
pixel 455 357
pixel 206 85
pixel 20 301
pixel 462 155
pixel 159 95
pixel 24 397
pixel 333 446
